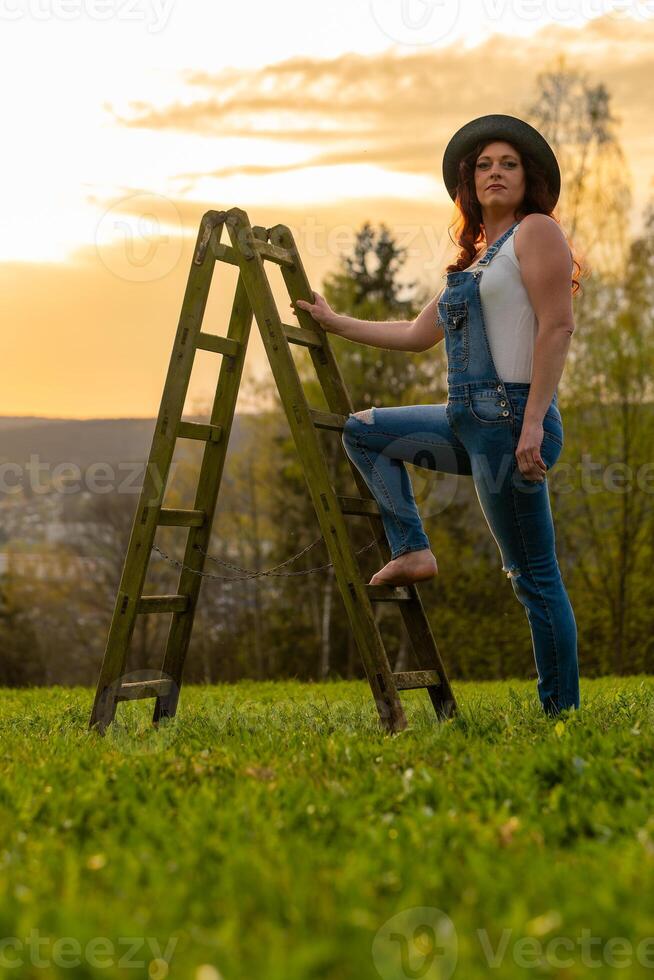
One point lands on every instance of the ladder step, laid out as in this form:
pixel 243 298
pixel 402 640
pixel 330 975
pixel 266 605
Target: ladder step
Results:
pixel 174 517
pixel 407 680
pixel 327 420
pixel 162 603
pixel 136 690
pixel 364 506
pixel 218 345
pixel 274 253
pixel 225 253
pixel 300 335
pixel 198 430
pixel 389 593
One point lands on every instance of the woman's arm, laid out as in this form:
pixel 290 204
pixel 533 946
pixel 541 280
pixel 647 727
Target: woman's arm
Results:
pixel 546 270
pixel 389 334
pixel 409 335
pixel 427 329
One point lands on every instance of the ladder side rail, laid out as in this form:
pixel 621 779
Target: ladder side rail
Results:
pixel 330 517
pixel 154 482
pixel 422 642
pixel 207 491
pixel 326 366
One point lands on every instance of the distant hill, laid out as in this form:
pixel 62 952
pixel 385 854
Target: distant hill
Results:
pixel 86 441
pixel 18 421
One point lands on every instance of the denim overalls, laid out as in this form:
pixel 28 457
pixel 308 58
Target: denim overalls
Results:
pixel 476 434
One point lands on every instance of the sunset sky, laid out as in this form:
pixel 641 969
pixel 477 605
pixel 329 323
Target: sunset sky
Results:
pixel 124 122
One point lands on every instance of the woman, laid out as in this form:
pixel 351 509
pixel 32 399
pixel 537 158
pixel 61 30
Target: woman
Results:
pixel 506 316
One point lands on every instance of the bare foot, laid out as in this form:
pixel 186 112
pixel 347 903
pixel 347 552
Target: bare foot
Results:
pixel 412 566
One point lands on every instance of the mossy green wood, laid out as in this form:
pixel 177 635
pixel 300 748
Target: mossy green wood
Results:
pixel 209 480
pixel 420 635
pixel 147 515
pixel 330 517
pixel 421 638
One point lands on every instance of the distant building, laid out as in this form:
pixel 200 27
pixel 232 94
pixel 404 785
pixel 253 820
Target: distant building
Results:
pixel 50 566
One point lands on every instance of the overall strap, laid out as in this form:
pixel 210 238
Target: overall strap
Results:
pixel 497 245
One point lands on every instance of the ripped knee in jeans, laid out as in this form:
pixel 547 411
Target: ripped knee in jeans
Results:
pixel 512 571
pixel 367 416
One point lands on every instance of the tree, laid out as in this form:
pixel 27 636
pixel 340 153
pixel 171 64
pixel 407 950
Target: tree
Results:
pixel 608 522
pixel 576 118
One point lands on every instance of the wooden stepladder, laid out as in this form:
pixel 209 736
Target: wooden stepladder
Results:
pixel 248 250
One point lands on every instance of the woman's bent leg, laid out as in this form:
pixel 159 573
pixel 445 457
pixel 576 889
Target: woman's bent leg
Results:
pixel 380 440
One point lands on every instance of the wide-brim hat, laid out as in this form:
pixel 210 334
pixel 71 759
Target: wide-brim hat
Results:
pixel 498 126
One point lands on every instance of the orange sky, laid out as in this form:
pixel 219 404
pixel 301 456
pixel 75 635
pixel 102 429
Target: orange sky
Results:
pixel 129 130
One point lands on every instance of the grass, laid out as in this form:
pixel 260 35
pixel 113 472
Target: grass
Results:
pixel 273 831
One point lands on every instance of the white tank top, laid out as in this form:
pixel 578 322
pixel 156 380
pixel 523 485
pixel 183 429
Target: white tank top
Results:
pixel 509 317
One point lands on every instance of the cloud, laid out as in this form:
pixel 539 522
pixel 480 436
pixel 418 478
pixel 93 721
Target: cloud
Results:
pixel 103 342
pixel 392 110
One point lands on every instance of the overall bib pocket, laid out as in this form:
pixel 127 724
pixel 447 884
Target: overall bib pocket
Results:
pixel 456 334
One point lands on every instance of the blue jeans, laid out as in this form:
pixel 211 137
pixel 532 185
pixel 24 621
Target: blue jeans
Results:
pixel 469 437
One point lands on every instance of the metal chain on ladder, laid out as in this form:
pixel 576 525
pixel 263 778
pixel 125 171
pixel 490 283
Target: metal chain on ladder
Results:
pixel 255 574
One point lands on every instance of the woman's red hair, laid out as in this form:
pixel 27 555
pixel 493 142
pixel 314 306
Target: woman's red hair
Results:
pixel 468 226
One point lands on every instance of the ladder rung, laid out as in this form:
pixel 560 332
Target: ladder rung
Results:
pixel 274 253
pixel 174 517
pixel 406 680
pixel 162 603
pixel 199 430
pixel 218 345
pixel 327 420
pixel 225 253
pixel 364 506
pixel 135 690
pixel 301 335
pixel 389 593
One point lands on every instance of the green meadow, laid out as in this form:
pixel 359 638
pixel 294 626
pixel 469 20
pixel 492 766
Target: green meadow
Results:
pixel 273 831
